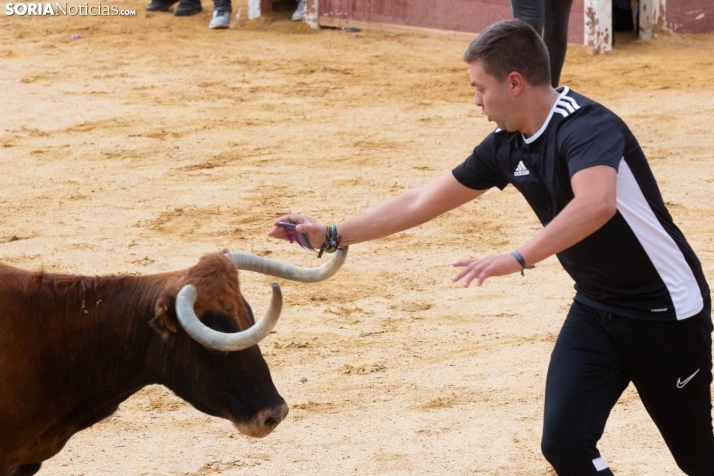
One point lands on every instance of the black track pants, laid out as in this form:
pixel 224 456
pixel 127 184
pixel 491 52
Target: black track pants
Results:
pixel 550 19
pixel 597 355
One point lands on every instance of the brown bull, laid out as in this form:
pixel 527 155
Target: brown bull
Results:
pixel 73 348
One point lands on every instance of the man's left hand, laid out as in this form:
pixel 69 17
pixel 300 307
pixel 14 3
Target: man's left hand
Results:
pixel 482 268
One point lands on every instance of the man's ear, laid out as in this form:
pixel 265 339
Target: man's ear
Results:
pixel 165 318
pixel 515 82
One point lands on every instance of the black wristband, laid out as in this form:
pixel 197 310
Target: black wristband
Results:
pixel 519 258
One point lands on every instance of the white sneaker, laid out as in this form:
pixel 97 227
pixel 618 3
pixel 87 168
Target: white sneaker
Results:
pixel 221 19
pixel 297 16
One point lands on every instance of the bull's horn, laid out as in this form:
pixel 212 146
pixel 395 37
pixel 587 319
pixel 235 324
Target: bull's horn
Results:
pixel 212 339
pixel 294 273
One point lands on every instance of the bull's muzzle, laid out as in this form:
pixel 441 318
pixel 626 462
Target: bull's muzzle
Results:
pixel 264 422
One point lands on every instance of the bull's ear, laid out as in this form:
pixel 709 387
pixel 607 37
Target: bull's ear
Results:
pixel 165 318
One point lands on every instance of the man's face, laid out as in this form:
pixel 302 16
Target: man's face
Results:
pixel 494 98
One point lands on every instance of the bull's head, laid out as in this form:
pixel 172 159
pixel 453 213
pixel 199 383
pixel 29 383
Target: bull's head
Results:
pixel 226 375
pixel 242 340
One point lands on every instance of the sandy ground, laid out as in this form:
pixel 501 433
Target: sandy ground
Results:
pixel 152 140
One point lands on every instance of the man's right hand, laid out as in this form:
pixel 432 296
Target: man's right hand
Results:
pixel 315 232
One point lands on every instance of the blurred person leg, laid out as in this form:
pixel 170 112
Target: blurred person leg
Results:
pixel 160 5
pixel 529 11
pixel 299 11
pixel 555 35
pixel 187 8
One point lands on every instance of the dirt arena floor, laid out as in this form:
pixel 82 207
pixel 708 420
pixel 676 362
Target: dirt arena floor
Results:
pixel 151 140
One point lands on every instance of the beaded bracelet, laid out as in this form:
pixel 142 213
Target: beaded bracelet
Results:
pixel 332 241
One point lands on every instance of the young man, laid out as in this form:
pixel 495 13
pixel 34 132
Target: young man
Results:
pixel 642 311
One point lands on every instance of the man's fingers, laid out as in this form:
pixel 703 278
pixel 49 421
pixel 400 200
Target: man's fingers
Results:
pixel 278 232
pixel 468 280
pixel 471 269
pixel 483 268
pixel 291 218
pixel 462 262
pixel 304 228
pixel 461 274
pixel 303 225
pixel 282 219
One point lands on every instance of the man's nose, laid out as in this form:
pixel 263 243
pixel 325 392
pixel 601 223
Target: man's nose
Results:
pixel 478 100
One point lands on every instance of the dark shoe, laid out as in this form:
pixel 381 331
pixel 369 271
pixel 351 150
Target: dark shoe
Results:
pixel 160 5
pixel 187 8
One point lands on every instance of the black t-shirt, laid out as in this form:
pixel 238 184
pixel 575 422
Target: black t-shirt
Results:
pixel 638 264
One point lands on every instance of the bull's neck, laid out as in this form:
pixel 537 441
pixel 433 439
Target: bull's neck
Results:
pixel 98 328
pixel 82 346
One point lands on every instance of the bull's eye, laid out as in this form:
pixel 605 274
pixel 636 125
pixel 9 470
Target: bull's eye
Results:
pixel 251 318
pixel 218 321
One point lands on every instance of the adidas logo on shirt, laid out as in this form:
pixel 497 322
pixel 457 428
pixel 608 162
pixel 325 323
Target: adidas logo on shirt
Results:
pixel 521 170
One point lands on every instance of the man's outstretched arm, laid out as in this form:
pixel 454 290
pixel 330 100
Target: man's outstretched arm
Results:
pixel 594 204
pixel 405 211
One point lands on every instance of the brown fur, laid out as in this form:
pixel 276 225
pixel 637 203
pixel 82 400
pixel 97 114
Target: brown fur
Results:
pixel 74 347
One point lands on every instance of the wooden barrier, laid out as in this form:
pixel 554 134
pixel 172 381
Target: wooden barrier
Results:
pixel 590 20
pixel 429 16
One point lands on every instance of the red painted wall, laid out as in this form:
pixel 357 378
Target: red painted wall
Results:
pixel 690 16
pixel 682 16
pixel 456 15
